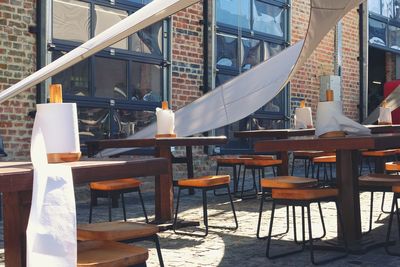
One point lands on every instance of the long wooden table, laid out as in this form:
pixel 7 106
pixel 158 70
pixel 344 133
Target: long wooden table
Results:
pixel 347 153
pixel 16 179
pixel 164 182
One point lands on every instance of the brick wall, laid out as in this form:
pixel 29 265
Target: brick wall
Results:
pixel 187 56
pixel 306 82
pixel 17 60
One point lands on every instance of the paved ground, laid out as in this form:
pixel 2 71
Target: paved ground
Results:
pixel 241 247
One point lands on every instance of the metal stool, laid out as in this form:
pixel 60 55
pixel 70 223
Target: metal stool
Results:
pixel 394 210
pixel 112 188
pixel 205 183
pixel 323 160
pixel 303 198
pixel 307 156
pixel 122 232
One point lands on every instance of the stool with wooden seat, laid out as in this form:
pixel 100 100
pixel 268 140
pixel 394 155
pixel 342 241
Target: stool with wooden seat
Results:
pixel 293 182
pixel 307 156
pixel 258 164
pixel 120 231
pixel 233 162
pixel 377 182
pixel 377 155
pixel 111 188
pixel 112 254
pixel 205 183
pixel 303 198
pixel 394 210
pixel 323 160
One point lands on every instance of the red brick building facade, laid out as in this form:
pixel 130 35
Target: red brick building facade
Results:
pixel 18 60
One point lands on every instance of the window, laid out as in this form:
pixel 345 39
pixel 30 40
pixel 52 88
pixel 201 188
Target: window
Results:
pixel 118 89
pixel 249 32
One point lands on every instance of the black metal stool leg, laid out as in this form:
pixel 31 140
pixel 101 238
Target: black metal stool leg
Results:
pixel 322 221
pixel 143 207
pixel 383 204
pixel 157 243
pixel 260 215
pixel 91 206
pixel 176 209
pixel 123 206
pixel 270 231
pixel 293 161
pixel 205 216
pixel 233 207
pixel 109 206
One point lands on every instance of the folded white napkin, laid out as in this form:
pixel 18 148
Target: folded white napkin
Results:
pixel 330 118
pixel 385 116
pixel 303 118
pixel 51 231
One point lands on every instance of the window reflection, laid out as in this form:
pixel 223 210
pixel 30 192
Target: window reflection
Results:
pixel 251 50
pixel 75 79
pixel 227 50
pixel 394 37
pixel 271 49
pixel 94 123
pixel 107 17
pixel 110 78
pixel 147 82
pixel 222 78
pixel 148 40
pixel 374 6
pixel 234 13
pixel 269 19
pixel 387 8
pixel 71 20
pixel 377 32
pixel 131 121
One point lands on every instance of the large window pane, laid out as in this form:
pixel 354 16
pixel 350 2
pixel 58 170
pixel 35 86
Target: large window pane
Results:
pixel 251 53
pixel 387 8
pixel 227 50
pixel 377 32
pixel 94 123
pixel 107 17
pixel 394 37
pixel 111 78
pixel 269 19
pixel 71 20
pixel 75 79
pixel 271 49
pixel 131 121
pixel 234 13
pixel 147 83
pixel 149 40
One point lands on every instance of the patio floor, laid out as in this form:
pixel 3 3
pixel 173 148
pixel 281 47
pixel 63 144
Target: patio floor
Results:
pixel 241 247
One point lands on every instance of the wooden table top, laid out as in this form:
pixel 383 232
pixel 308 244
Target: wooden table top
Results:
pixel 18 176
pixel 154 142
pixel 375 141
pixel 287 133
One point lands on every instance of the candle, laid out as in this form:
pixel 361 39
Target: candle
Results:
pixel 56 93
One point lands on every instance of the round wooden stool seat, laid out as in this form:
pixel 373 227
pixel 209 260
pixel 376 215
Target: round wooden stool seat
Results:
pixel 262 162
pixel 380 153
pixel 393 166
pixel 324 159
pixel 312 154
pixel 304 194
pixel 205 181
pixel 231 160
pixel 396 189
pixel 267 157
pixel 378 179
pixel 115 231
pixel 110 254
pixel 118 184
pixel 288 182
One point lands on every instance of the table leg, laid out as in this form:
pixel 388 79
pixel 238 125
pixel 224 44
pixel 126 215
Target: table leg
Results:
pixel 189 165
pixel 164 195
pixel 349 196
pixel 283 169
pixel 16 215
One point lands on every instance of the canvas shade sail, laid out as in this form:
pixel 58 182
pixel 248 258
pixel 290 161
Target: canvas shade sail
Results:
pixel 144 17
pixel 246 93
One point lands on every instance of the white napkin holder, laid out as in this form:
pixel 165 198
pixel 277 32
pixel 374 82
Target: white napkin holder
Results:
pixel 332 123
pixel 303 118
pixel 59 125
pixel 165 121
pixel 385 116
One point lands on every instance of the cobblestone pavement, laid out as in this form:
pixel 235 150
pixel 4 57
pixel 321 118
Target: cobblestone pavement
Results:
pixel 241 247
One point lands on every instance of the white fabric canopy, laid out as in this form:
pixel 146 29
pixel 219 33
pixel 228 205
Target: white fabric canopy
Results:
pixel 144 17
pixel 249 91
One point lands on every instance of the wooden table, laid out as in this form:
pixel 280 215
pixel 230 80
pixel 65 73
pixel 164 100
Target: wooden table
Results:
pixel 347 153
pixel 289 133
pixel 164 182
pixel 16 179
